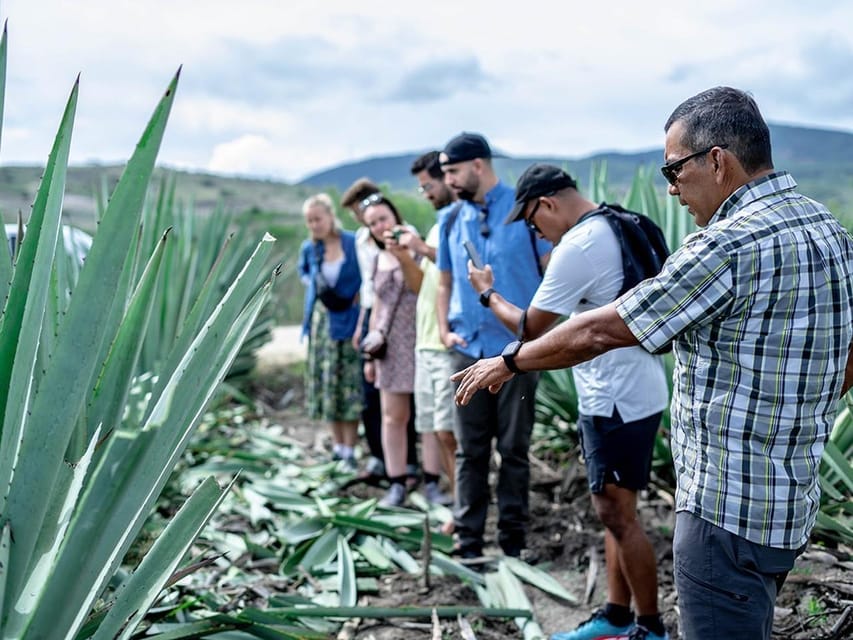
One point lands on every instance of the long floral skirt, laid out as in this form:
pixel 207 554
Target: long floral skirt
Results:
pixel 332 375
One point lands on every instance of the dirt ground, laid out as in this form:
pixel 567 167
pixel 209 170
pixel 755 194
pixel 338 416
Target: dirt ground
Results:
pixel 816 602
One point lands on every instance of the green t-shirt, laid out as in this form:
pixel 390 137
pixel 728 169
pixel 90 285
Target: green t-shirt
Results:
pixel 428 336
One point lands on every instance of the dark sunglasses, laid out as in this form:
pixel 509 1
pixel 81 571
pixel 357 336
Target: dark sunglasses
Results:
pixel 484 223
pixel 671 170
pixel 373 198
pixel 529 220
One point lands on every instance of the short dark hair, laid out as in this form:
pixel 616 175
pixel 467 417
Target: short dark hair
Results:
pixel 724 115
pixel 358 191
pixel 428 162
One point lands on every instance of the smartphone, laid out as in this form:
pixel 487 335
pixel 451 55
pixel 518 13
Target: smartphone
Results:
pixel 472 253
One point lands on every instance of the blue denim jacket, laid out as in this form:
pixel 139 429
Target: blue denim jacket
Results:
pixel 341 323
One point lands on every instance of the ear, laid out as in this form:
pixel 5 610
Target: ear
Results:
pixel 721 162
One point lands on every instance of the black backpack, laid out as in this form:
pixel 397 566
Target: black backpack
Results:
pixel 641 241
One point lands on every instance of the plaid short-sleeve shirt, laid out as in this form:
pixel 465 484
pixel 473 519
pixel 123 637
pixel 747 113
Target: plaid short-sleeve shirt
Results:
pixel 759 305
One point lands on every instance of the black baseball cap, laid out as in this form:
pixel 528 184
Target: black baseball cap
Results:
pixel 538 180
pixel 465 146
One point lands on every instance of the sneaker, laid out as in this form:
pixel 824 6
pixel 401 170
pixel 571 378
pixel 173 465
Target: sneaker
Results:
pixel 375 467
pixel 639 632
pixel 597 627
pixel 348 465
pixel 395 497
pixel 435 495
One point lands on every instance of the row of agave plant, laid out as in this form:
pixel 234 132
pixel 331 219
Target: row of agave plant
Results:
pixel 86 442
pixel 557 397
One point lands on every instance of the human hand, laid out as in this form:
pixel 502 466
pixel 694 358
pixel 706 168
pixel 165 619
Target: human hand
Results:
pixel 370 371
pixel 489 374
pixel 451 340
pixel 480 279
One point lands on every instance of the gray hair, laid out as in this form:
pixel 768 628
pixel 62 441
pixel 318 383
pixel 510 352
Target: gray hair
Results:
pixel 724 115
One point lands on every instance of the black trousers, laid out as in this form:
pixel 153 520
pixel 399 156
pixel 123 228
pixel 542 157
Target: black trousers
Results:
pixel 507 417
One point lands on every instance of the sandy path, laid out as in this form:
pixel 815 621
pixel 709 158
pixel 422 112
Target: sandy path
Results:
pixel 284 348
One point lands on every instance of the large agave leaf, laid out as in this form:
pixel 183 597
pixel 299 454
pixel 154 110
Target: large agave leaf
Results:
pixel 65 383
pixel 137 464
pixel 136 595
pixel 23 316
pixel 5 266
pixel 114 382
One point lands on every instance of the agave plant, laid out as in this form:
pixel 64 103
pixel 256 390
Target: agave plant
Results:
pixel 78 477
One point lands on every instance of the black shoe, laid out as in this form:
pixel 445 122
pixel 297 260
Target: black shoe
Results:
pixel 466 553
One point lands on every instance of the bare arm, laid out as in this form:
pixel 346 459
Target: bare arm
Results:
pixel 442 308
pixel 414 242
pixel 537 321
pixel 577 340
pixel 412 273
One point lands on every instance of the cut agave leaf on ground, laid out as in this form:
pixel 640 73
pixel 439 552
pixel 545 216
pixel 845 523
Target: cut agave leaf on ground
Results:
pixel 539 578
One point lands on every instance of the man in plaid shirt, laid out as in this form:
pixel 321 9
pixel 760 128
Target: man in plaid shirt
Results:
pixel 759 307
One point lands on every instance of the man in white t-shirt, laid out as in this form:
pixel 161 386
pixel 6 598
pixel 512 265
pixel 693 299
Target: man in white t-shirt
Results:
pixel 621 394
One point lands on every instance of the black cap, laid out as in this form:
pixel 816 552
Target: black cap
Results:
pixel 465 146
pixel 538 180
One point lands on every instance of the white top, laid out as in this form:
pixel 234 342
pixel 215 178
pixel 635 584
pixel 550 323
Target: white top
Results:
pixel 366 252
pixel 332 270
pixel 585 272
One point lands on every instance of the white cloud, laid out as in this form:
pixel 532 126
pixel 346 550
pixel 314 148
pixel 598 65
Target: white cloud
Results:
pixel 300 86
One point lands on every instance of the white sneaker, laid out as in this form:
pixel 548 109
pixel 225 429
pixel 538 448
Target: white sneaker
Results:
pixel 435 495
pixel 395 497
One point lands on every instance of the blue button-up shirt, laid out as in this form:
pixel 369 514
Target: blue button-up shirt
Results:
pixel 513 252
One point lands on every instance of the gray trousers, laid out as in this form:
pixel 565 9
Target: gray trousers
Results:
pixel 726 584
pixel 507 417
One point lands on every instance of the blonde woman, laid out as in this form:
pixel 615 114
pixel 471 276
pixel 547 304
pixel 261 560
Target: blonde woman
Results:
pixel 329 269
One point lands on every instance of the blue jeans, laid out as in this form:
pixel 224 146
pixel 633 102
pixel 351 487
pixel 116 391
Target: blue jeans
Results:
pixel 726 584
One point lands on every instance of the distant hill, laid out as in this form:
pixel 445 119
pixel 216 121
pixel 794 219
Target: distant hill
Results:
pixel 202 191
pixel 820 160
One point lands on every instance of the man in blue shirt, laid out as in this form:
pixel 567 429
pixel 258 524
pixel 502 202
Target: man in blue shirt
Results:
pixel 468 328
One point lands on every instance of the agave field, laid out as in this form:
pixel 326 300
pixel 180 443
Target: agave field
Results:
pixel 154 484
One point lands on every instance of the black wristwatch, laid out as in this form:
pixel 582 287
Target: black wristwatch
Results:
pixel 484 297
pixel 509 353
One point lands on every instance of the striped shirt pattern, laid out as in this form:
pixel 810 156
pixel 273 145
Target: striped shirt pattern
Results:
pixel 758 305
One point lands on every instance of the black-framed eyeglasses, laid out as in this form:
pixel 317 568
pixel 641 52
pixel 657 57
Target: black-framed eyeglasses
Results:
pixel 529 220
pixel 485 231
pixel 373 198
pixel 671 170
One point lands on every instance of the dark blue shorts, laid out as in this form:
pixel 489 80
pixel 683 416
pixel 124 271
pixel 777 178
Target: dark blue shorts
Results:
pixel 617 452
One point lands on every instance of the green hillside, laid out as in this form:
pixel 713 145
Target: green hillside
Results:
pixel 202 191
pixel 820 160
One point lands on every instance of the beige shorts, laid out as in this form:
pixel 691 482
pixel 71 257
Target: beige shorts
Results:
pixel 435 408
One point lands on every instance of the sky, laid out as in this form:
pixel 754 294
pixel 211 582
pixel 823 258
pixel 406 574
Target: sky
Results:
pixel 280 89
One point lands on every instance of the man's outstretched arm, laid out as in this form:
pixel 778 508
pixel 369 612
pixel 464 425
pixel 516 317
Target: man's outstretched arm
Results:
pixel 576 340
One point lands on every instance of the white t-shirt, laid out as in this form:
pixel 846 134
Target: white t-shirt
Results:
pixel 366 252
pixel 585 272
